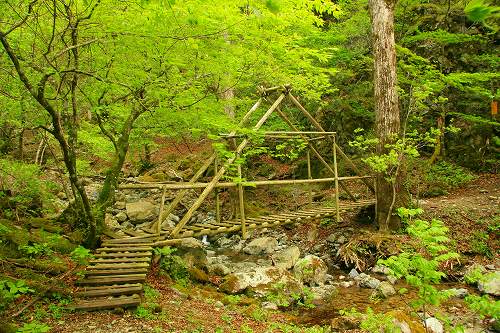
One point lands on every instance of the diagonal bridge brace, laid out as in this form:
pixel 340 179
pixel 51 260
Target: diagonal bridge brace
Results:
pixel 223 169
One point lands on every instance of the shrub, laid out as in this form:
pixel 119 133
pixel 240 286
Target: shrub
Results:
pixel 440 178
pixel 283 297
pixel 419 264
pixel 10 290
pixel 36 250
pixel 173 265
pixel 34 327
pixel 22 192
pixel 80 255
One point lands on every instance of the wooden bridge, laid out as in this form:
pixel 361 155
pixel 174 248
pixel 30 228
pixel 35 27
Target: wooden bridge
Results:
pixel 114 277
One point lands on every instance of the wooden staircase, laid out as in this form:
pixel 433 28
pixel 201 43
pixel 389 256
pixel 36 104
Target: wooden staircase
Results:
pixel 115 277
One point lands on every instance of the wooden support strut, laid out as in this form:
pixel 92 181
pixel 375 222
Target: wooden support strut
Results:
pixel 309 175
pixel 206 165
pixel 162 204
pixel 241 200
pixel 320 128
pixel 222 170
pixel 311 146
pixel 217 195
pixel 336 180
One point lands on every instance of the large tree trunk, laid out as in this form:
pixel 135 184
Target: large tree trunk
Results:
pixel 387 120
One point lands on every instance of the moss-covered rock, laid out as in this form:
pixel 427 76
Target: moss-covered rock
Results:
pixel 490 284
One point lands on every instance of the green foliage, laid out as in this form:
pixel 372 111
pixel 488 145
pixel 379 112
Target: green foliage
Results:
pixel 484 306
pixel 480 10
pixel 444 176
pixel 443 37
pixel 10 290
pixel 473 276
pixel 232 299
pixel 81 255
pixel 282 297
pixel 325 222
pixel 36 250
pixel 173 265
pixel 259 314
pixel 143 312
pixel 419 265
pixel 291 328
pixel 288 150
pixel 371 321
pixel 21 189
pixel 164 251
pixel 34 327
pixel 150 293
pixel 479 244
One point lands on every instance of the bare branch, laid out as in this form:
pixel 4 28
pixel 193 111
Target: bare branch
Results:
pixel 23 20
pixel 105 131
pixel 69 48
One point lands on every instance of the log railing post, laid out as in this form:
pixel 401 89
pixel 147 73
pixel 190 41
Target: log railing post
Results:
pixel 309 175
pixel 217 193
pixel 241 199
pixel 336 178
pixel 160 213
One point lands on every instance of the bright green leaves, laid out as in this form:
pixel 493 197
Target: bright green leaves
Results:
pixel 442 37
pixel 273 5
pixel 480 10
pixel 420 264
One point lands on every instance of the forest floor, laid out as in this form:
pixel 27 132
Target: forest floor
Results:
pixel 472 213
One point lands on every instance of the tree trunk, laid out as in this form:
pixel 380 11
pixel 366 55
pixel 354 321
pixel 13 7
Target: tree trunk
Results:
pixel 107 195
pixel 387 120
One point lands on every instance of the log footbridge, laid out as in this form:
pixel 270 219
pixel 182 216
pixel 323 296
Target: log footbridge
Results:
pixel 116 275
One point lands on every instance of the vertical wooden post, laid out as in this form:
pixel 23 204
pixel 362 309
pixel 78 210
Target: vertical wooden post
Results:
pixel 242 205
pixel 217 195
pixel 309 175
pixel 162 204
pixel 336 178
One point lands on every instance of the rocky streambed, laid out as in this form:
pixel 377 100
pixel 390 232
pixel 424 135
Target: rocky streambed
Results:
pixel 280 275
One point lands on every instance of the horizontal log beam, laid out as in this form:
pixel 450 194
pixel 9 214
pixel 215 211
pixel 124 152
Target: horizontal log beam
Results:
pixel 182 186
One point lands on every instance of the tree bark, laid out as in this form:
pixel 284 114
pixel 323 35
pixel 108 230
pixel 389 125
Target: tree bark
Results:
pixel 387 119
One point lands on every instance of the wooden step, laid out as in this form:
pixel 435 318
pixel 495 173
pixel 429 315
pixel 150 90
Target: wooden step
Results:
pixel 99 277
pixel 118 266
pixel 125 249
pixel 123 255
pixel 107 243
pixel 114 286
pixel 103 280
pixel 103 304
pixel 116 271
pixel 110 291
pixel 134 233
pixel 133 240
pixel 118 260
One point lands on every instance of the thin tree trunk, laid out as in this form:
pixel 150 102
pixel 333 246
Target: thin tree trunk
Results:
pixel 387 120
